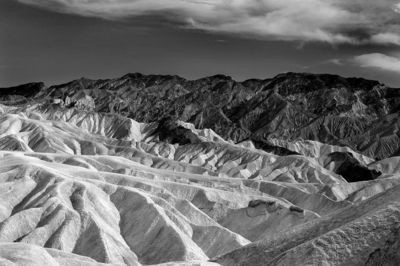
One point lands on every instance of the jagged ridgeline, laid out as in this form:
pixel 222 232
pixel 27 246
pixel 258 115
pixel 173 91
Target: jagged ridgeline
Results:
pixel 299 169
pixel 353 112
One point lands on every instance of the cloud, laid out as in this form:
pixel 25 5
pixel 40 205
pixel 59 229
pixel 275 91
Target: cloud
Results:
pixel 397 7
pixel 335 61
pixel 380 61
pixel 386 38
pixel 331 21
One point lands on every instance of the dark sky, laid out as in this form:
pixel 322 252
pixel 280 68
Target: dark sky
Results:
pixel 42 45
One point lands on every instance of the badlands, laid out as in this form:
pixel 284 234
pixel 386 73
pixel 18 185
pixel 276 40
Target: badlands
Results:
pixel 300 169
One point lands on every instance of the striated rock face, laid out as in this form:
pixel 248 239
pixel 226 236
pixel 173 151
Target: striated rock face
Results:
pixel 159 170
pixel 352 112
pixel 364 233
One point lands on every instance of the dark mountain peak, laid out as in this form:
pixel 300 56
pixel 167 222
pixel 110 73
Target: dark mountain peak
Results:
pixel 220 76
pixel 138 75
pixel 326 78
pixel 26 90
pixel 135 75
pixel 214 79
pixel 293 83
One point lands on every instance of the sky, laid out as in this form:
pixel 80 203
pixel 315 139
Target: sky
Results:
pixel 56 41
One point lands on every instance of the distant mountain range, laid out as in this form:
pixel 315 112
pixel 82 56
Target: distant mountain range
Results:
pixel 353 112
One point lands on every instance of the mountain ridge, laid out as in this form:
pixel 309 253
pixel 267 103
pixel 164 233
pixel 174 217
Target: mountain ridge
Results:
pixel 320 107
pixel 150 170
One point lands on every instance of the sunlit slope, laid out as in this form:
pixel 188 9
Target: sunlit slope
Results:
pixel 147 170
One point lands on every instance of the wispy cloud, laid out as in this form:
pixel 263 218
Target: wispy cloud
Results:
pixel 335 61
pixel 332 21
pixel 380 61
pixel 386 38
pixel 397 7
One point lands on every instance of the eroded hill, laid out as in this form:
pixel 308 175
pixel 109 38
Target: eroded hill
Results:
pixel 161 170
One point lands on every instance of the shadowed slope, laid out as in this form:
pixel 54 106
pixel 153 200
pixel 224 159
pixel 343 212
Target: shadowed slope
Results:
pixel 326 108
pixel 215 170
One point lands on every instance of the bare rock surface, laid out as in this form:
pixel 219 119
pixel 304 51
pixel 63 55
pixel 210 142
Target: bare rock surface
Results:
pixel 299 169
